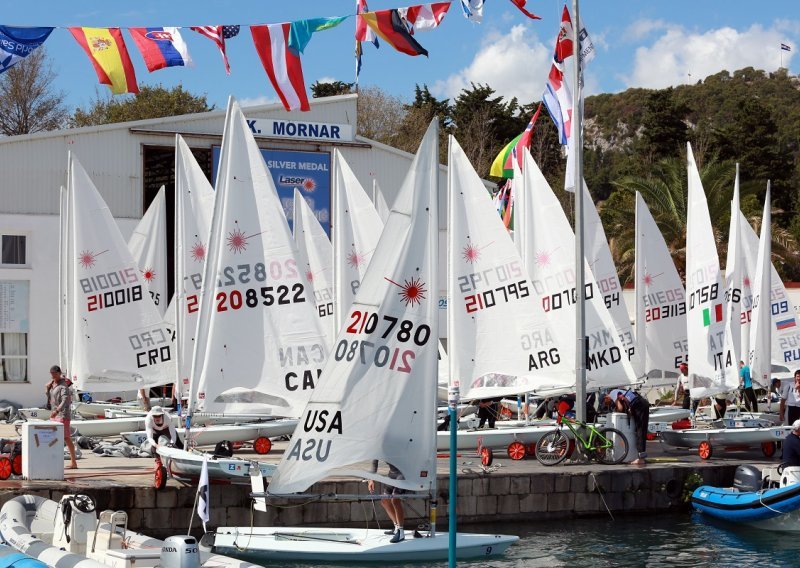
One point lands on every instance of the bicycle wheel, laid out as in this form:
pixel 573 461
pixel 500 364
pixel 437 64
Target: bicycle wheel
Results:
pixel 616 452
pixel 552 448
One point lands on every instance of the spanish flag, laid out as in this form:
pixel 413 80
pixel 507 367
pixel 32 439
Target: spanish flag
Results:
pixel 391 28
pixel 106 48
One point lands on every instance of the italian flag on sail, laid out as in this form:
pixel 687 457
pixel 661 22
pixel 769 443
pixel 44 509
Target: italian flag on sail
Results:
pixel 707 315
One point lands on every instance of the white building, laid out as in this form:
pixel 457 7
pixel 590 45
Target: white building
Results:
pixel 128 163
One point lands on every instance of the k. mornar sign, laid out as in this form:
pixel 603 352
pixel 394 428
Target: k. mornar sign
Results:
pixel 300 130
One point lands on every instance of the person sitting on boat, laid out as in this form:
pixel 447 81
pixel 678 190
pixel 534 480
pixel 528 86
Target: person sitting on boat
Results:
pixel 637 407
pixel 791 447
pixel 158 424
pixel 391 504
pixel 746 384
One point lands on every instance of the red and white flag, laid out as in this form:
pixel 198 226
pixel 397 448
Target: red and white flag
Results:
pixel 424 17
pixel 281 64
pixel 521 5
pixel 218 34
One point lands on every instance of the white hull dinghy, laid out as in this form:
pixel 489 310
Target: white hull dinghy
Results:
pixel 211 435
pixel 37 527
pixel 325 545
pixel 186 465
pixel 706 440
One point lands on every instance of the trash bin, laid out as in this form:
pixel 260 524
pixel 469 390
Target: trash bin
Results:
pixel 626 425
pixel 43 450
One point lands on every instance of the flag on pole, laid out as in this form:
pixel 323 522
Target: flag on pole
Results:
pixel 18 43
pixel 218 34
pixel 473 10
pixel 502 166
pixel 161 47
pixel 106 49
pixel 203 500
pixel 786 47
pixel 279 47
pixel 390 27
pixel 424 17
pixel 521 5
pixel 363 33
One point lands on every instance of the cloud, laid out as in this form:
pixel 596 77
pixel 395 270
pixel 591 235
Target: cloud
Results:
pixel 514 64
pixel 679 56
pixel 327 80
pixel 642 28
pixel 258 101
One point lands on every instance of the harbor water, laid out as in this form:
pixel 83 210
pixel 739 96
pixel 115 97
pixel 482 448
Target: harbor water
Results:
pixel 677 540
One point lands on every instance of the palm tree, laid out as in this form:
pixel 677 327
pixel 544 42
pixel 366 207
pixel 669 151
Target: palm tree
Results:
pixel 665 191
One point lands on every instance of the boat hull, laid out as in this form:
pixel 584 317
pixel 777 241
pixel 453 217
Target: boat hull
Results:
pixel 494 437
pixel 186 464
pixel 326 545
pixel 777 509
pixel 211 435
pixel 691 438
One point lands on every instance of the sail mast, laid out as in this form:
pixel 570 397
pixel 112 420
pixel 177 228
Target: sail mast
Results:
pixel 580 292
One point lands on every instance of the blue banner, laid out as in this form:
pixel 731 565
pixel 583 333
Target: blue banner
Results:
pixel 310 172
pixel 17 43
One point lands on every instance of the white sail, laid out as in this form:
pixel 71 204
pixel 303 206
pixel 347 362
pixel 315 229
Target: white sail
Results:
pixel 660 297
pixel 785 331
pixel 379 201
pixel 598 255
pixel 194 205
pixel 357 228
pixel 315 259
pixel 705 321
pixel 499 339
pixel 376 397
pixel 734 270
pixel 547 244
pixel 148 245
pixel 761 326
pixel 119 341
pixel 259 344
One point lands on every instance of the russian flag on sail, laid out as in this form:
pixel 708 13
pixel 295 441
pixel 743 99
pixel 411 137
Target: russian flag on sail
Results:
pixel 161 47
pixel 785 324
pixel 708 315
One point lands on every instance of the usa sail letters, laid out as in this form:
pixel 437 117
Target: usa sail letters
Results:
pixel 320 426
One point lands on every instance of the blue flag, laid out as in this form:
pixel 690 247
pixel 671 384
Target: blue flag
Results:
pixel 18 43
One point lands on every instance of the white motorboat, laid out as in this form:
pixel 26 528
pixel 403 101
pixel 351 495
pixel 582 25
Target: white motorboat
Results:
pixel 71 533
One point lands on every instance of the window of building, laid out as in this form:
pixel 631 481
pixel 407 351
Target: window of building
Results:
pixel 14 297
pixel 12 250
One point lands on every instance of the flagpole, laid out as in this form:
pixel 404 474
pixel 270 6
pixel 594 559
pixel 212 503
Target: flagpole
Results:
pixel 580 291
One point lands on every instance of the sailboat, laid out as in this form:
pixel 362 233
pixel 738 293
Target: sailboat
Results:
pixel 376 397
pixel 712 365
pixel 119 341
pixel 546 243
pixel 148 245
pixel 315 259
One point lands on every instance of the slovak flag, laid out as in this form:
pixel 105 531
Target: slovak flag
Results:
pixel 161 47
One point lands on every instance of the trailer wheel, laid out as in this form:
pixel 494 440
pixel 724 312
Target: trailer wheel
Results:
pixel 516 450
pixel 487 457
pixel 160 477
pixel 16 464
pixel 5 468
pixel 262 445
pixel 768 449
pixel 530 449
pixel 704 450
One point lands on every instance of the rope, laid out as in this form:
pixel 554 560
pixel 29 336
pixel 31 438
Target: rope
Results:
pixel 761 500
pixel 600 492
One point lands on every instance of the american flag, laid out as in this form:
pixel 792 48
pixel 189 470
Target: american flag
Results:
pixel 218 34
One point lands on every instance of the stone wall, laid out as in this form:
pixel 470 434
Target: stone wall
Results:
pixel 482 498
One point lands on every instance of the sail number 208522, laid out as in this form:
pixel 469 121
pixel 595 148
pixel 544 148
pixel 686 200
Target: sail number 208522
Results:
pixel 266 295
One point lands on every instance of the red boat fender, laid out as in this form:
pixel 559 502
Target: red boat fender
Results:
pixel 682 424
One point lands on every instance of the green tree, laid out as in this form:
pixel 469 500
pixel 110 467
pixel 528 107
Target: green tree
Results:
pixel 29 101
pixel 151 102
pixel 330 89
pixel 663 129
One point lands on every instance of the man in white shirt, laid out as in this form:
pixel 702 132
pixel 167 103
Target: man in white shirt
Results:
pixel 790 399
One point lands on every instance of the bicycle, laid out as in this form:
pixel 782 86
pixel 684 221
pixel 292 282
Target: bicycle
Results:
pixel 606 445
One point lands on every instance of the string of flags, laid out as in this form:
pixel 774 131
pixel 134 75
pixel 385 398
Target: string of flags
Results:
pixel 279 46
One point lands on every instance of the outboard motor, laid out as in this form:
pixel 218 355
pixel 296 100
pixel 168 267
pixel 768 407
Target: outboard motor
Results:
pixel 747 478
pixel 180 551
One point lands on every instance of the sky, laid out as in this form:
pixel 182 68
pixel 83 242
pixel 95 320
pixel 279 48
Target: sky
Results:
pixel 649 44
